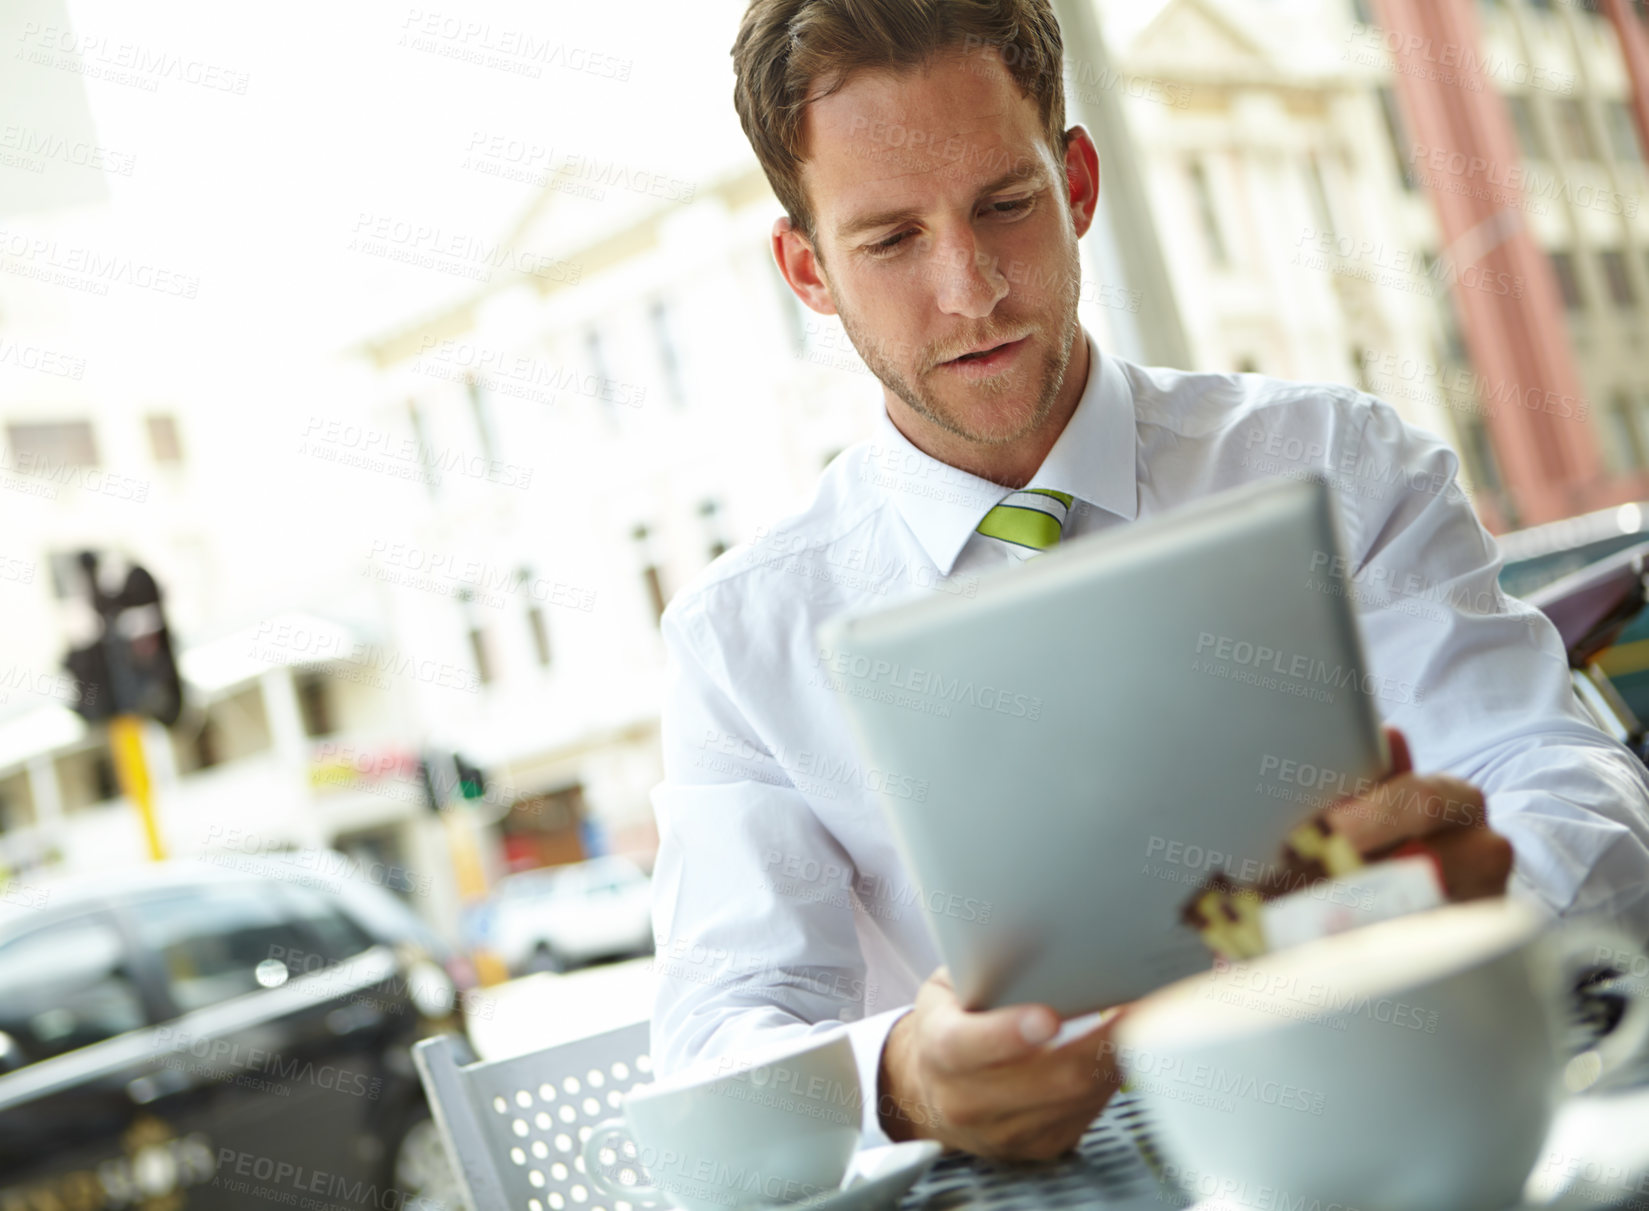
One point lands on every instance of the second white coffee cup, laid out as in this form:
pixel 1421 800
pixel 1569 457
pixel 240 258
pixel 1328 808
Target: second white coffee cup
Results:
pixel 1409 1065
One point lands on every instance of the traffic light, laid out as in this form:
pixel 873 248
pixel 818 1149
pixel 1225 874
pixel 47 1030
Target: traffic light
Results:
pixel 472 783
pixel 442 774
pixel 90 669
pixel 131 668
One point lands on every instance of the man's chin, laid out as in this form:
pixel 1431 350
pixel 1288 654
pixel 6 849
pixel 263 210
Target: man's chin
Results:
pixel 992 423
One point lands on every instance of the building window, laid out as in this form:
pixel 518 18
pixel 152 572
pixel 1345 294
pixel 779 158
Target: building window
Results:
pixel 1621 291
pixel 86 776
pixel 1623 132
pixel 710 511
pixel 52 443
pixel 1576 132
pixel 1393 119
pixel 1563 265
pixel 596 352
pixel 228 730
pixel 1621 446
pixel 478 654
pixel 538 626
pixel 420 437
pixel 1359 368
pixel 164 446
pixel 1319 193
pixel 207 750
pixel 1448 324
pixel 483 422
pixel 539 629
pixel 314 705
pixel 669 353
pixel 1210 217
pixel 1528 134
pixel 649 571
pixel 16 802
pixel 1478 448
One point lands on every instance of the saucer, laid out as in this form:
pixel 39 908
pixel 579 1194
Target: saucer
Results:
pixel 878 1177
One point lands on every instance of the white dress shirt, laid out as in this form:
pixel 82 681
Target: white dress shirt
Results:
pixel 782 908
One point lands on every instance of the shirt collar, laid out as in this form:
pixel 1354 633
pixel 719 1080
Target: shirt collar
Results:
pixel 1093 460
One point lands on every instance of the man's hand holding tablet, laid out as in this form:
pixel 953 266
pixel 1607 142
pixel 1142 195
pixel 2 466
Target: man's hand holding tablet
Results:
pixel 988 1081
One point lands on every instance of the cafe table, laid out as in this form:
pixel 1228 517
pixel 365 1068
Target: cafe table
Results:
pixel 1596 1158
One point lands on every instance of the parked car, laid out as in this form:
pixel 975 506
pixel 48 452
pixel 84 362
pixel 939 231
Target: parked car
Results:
pixel 563 916
pixel 191 1035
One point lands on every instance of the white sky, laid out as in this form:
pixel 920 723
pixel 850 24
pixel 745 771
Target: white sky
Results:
pixel 259 194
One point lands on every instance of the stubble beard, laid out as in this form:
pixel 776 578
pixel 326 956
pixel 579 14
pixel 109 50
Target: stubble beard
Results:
pixel 1051 373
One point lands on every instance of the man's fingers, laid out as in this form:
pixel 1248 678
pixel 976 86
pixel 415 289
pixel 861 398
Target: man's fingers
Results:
pixel 1475 863
pixel 1095 1042
pixel 966 1040
pixel 1058 1086
pixel 1405 808
pixel 1401 761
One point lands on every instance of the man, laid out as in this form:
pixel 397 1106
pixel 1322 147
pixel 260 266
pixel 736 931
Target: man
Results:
pixel 934 199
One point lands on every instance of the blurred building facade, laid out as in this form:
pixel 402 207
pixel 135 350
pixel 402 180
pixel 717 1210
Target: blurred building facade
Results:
pixel 1327 219
pixel 551 455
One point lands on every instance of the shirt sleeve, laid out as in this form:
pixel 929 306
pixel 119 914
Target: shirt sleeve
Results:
pixel 744 960
pixel 1479 681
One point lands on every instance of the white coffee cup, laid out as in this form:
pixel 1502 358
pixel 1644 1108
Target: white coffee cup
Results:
pixel 1413 1064
pixel 757 1131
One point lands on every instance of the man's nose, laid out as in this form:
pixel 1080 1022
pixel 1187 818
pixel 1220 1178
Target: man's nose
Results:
pixel 969 282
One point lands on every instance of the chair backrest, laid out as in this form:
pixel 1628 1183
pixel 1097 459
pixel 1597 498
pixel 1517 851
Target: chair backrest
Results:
pixel 514 1128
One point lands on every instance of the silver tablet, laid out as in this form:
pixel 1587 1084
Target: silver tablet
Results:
pixel 1106 727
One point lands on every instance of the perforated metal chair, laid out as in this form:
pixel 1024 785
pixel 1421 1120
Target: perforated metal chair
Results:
pixel 513 1128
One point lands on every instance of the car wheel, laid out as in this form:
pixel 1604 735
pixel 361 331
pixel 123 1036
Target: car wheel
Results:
pixel 543 958
pixel 421 1173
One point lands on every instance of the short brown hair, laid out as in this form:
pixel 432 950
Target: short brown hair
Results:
pixel 785 47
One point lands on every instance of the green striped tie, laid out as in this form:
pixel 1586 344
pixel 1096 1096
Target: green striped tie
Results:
pixel 1028 522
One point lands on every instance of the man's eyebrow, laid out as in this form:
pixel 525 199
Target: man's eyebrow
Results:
pixel 886 218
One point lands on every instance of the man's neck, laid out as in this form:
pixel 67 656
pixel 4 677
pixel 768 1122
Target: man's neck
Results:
pixel 1011 464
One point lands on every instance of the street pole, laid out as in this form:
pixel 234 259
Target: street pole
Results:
pixel 132 767
pixel 1123 240
pixel 1634 49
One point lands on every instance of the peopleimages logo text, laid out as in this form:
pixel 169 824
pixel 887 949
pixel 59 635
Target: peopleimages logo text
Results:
pixel 1302 668
pixel 928 683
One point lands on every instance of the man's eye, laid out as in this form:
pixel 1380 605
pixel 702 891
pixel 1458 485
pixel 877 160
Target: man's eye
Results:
pixel 889 244
pixel 1013 205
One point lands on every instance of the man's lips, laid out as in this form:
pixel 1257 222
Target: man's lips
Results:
pixel 990 357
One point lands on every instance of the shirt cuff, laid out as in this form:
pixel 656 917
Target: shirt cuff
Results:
pixel 868 1037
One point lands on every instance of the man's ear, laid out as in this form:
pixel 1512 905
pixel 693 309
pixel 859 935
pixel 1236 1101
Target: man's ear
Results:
pixel 800 266
pixel 1081 177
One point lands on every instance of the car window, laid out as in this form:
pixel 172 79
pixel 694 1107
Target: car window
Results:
pixel 66 986
pixel 538 886
pixel 211 940
pixel 336 936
